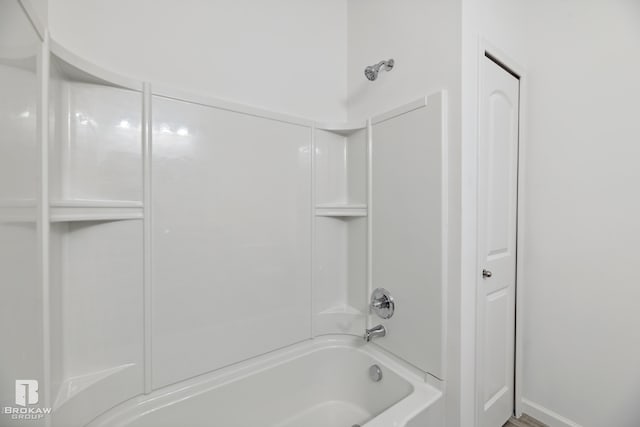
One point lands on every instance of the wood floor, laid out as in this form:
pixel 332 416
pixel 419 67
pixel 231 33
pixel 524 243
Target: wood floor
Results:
pixel 524 421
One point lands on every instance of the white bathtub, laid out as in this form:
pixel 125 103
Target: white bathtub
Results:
pixel 320 383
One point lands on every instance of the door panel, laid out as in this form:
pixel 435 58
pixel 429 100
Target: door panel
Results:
pixel 497 204
pixel 500 171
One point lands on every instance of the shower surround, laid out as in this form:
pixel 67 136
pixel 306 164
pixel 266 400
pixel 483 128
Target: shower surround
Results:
pixel 193 248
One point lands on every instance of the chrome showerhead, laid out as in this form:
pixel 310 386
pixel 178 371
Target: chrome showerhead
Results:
pixel 371 72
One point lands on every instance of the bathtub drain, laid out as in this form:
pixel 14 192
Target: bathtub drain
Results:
pixel 375 373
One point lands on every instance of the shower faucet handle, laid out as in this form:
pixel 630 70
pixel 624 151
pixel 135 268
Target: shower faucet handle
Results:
pixel 382 303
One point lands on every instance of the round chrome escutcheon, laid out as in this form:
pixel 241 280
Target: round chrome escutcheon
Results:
pixel 382 303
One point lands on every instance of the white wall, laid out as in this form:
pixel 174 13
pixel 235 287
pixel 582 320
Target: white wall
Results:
pixel 582 349
pixel 424 39
pixel 579 355
pixel 283 55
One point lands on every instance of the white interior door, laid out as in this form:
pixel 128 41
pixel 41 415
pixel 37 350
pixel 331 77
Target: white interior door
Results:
pixel 497 213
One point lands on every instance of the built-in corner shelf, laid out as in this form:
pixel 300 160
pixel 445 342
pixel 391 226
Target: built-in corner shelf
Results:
pixel 94 210
pixel 344 129
pixel 23 57
pixel 71 387
pixel 80 398
pixel 341 210
pixel 342 319
pixel 343 310
pixel 340 235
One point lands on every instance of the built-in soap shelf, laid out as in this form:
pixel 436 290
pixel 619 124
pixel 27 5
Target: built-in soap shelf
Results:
pixel 341 210
pixel 343 129
pixel 341 309
pixel 75 393
pixel 23 57
pixel 94 210
pixel 342 319
pixel 72 386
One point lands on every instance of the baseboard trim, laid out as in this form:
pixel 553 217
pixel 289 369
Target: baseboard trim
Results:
pixel 545 415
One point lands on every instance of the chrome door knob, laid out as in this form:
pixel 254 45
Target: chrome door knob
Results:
pixel 486 274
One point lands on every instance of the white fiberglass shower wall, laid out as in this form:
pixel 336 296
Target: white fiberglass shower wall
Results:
pixel 175 236
pixel 21 305
pixel 231 237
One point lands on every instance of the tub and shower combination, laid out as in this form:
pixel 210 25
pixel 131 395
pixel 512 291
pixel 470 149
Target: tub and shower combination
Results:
pixel 214 264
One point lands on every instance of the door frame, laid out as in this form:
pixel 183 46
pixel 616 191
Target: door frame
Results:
pixel 487 48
